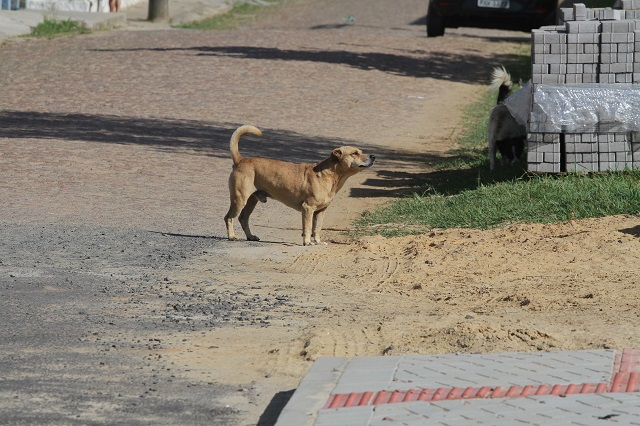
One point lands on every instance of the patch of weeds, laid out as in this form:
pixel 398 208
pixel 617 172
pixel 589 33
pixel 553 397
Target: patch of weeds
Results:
pixel 240 13
pixel 52 27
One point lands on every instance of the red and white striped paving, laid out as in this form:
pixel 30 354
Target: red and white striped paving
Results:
pixel 564 387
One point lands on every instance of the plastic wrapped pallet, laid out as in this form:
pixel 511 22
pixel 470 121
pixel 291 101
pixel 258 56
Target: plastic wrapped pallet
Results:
pixel 586 108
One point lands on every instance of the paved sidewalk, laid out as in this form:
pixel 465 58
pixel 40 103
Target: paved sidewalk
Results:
pixel 578 387
pixel 14 23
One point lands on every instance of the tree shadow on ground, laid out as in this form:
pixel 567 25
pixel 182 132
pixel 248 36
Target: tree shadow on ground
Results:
pixel 203 138
pixel 438 181
pixel 416 63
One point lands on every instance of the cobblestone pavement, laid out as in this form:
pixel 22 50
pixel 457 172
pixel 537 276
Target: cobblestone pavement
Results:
pixel 113 168
pixel 105 111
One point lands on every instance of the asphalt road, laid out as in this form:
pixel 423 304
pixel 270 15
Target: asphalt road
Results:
pixel 113 165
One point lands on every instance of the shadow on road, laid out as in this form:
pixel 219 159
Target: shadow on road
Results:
pixel 270 415
pixel 203 138
pixel 416 63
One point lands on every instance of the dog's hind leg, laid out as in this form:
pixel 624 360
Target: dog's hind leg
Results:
pixel 234 210
pixel 246 212
pixel 239 196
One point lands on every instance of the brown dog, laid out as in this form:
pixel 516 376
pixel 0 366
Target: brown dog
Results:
pixel 305 187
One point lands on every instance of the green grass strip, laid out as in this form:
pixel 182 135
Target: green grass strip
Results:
pixel 52 27
pixel 541 199
pixel 240 13
pixel 461 192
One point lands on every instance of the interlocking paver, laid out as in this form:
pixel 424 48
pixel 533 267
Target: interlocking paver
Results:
pixel 547 410
pixel 579 388
pixel 486 370
pixel 361 377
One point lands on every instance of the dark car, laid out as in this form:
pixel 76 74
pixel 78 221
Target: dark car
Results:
pixel 521 15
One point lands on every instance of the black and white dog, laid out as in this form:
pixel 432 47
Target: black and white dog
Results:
pixel 505 133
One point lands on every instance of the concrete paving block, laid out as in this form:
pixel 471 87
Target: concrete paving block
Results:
pixel 547 168
pixel 591 48
pixel 589 38
pixel 537 36
pixel 353 416
pixel 621 26
pixel 579 11
pixel 540 68
pixel 622 37
pixel 539 48
pixel 560 29
pixel 313 392
pixel 582 167
pixel 626 78
pixel 621 68
pixel 573 78
pixel 534 137
pixel 630 4
pixel 566 14
pixel 551 37
pixel 613 14
pixel 575 69
pixel 626 47
pixel 557 68
pixel 534 157
pixel 620 146
pixel 551 157
pixel 585 147
pixel 587 58
pixel 360 376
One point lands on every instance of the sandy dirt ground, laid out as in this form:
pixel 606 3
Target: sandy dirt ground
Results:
pixel 141 159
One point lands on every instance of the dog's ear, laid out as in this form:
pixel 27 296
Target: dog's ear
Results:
pixel 337 153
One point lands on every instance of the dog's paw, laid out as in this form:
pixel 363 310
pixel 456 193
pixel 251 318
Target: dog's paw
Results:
pixel 252 238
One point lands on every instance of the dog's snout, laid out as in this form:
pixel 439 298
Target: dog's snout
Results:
pixel 372 157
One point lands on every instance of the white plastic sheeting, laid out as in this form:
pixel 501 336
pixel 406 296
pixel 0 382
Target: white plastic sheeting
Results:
pixel 585 108
pixel 519 104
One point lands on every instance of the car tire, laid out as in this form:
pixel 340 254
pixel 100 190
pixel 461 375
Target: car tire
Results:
pixel 435 23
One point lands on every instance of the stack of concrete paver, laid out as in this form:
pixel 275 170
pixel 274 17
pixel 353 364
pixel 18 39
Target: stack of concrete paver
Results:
pixel 590 57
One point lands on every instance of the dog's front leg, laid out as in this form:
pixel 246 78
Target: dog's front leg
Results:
pixel 318 217
pixel 307 222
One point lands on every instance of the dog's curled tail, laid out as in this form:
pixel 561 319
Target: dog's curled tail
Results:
pixel 235 138
pixel 501 81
